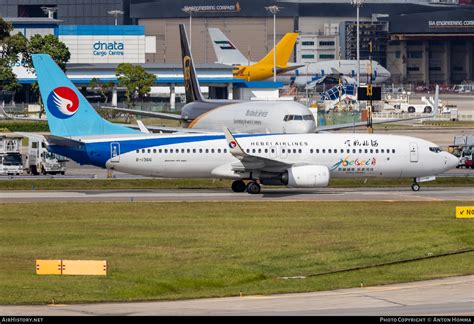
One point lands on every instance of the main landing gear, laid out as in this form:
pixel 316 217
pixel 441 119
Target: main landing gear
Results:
pixel 415 186
pixel 252 187
pixel 238 186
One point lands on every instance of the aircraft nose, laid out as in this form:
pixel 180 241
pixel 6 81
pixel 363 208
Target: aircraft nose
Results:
pixel 451 160
pixel 310 127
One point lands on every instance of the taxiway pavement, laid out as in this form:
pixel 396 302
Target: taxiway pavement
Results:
pixel 442 297
pixel 267 194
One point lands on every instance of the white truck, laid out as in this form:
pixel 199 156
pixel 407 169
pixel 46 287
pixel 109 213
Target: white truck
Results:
pixel 427 106
pixel 40 161
pixel 11 162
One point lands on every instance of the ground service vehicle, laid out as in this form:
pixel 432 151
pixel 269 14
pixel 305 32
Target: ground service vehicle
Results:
pixel 463 148
pixel 11 162
pixel 40 161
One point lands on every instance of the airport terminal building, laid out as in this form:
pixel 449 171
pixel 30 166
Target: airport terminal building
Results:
pixel 419 41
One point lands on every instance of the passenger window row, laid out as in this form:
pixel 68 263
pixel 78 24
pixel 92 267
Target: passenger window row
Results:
pixel 266 151
pixel 354 151
pixel 182 151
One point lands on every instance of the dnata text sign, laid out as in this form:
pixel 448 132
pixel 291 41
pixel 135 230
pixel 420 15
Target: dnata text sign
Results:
pixel 105 49
pixel 108 48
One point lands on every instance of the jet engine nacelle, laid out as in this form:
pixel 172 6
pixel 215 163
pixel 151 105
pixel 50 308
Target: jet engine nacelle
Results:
pixel 307 176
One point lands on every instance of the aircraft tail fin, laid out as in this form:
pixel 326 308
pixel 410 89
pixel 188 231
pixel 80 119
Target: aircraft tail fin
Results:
pixel 191 83
pixel 226 52
pixel 68 112
pixel 436 101
pixel 284 48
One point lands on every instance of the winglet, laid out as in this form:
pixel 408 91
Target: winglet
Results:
pixel 142 127
pixel 234 146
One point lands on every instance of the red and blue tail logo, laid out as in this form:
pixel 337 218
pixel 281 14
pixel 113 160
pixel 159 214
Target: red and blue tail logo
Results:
pixel 63 102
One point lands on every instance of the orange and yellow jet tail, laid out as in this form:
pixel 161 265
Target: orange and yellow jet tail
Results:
pixel 263 69
pixel 284 48
pixel 227 53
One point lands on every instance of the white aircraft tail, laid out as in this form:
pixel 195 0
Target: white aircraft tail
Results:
pixel 226 52
pixel 436 101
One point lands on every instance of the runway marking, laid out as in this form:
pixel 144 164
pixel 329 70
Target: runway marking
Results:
pixel 426 285
pixel 257 297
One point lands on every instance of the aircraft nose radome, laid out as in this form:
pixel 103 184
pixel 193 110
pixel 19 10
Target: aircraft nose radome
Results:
pixel 311 127
pixel 453 161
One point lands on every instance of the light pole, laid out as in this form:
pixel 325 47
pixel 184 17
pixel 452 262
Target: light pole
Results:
pixel 115 13
pixel 358 4
pixel 274 10
pixel 190 10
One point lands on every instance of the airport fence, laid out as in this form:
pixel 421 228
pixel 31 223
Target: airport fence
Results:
pixel 439 117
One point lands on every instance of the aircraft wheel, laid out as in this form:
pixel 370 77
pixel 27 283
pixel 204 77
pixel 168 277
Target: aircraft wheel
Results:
pixel 238 186
pixel 253 188
pixel 415 187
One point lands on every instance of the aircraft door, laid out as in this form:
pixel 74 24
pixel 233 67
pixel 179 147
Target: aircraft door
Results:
pixel 283 152
pixel 413 152
pixel 115 152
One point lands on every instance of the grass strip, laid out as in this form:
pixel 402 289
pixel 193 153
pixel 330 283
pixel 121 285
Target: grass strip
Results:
pixel 168 251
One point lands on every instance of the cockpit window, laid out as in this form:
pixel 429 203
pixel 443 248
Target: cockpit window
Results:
pixel 435 149
pixel 298 117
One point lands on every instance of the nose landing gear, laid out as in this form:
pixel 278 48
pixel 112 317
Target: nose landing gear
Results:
pixel 415 186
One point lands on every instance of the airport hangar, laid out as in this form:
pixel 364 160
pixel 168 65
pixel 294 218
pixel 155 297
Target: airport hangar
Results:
pixel 419 41
pixel 96 51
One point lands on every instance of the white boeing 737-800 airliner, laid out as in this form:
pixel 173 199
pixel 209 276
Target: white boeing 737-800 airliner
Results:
pixel 294 160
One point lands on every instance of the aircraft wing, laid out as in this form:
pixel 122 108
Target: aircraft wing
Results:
pixel 166 129
pixel 145 113
pixel 364 123
pixel 250 162
pixel 5 115
pixel 313 84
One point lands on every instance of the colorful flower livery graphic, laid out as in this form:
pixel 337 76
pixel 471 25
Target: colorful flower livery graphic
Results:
pixel 354 165
pixel 63 102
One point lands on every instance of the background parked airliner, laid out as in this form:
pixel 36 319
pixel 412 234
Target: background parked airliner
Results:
pixel 204 115
pixel 319 72
pixel 307 75
pixel 295 160
pixel 200 114
pixel 227 53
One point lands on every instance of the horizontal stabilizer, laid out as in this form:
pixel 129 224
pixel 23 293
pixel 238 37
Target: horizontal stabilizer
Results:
pixel 288 69
pixel 63 141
